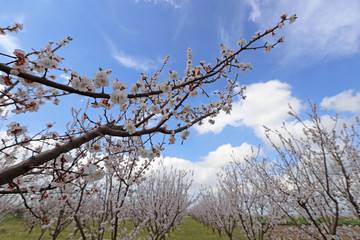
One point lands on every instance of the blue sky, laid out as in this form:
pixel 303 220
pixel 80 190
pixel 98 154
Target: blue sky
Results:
pixel 320 59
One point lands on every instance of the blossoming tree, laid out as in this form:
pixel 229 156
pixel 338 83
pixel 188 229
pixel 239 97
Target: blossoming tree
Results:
pixel 313 184
pixel 241 202
pixel 131 127
pixel 218 211
pixel 317 176
pixel 98 209
pixel 248 196
pixel 161 201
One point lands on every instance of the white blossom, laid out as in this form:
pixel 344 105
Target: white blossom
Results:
pixel 173 75
pixel 165 87
pixel 116 84
pixel 241 42
pixel 47 62
pixel 154 109
pixel 268 48
pixel 101 79
pixel 93 173
pixel 118 96
pixel 130 127
pixel 248 65
pixel 185 134
pixel 292 18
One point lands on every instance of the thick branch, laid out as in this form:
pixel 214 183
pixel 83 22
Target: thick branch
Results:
pixel 8 174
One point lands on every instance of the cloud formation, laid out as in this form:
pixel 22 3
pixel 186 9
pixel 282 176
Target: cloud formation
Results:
pixel 229 31
pixel 266 103
pixel 206 169
pixel 138 63
pixel 134 62
pixel 344 101
pixel 174 3
pixel 8 43
pixel 324 29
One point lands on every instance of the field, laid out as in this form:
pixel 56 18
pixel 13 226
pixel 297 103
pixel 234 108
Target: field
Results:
pixel 15 229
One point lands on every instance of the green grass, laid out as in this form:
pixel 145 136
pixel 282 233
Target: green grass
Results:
pixel 342 221
pixel 15 229
pixel 190 229
pixel 348 221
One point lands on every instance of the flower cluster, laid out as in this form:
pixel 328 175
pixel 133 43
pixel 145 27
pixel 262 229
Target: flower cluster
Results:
pixel 93 173
pixel 15 28
pixel 101 79
pixel 14 129
pixel 118 97
pixel 47 224
pixel 81 83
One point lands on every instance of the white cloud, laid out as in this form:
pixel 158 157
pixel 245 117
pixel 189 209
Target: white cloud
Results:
pixel 229 31
pixel 344 101
pixel 8 43
pixel 223 155
pixel 325 28
pixel 65 77
pixel 255 9
pixel 137 63
pixel 174 3
pixel 206 169
pixel 266 104
pixel 224 35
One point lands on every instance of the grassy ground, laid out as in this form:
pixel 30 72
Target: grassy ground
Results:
pixel 190 229
pixel 15 229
